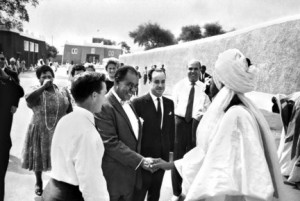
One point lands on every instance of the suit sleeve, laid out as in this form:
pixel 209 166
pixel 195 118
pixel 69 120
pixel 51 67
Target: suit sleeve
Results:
pixel 17 92
pixel 115 148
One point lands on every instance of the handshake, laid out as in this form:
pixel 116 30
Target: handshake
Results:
pixel 153 164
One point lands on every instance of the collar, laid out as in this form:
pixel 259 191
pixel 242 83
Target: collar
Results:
pixel 122 102
pixel 84 112
pixel 197 83
pixel 116 95
pixel 154 98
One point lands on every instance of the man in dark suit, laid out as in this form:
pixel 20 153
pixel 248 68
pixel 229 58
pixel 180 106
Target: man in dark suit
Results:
pixel 157 113
pixel 203 75
pixel 10 94
pixel 120 129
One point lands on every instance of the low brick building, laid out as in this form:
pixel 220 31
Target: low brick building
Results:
pixel 92 53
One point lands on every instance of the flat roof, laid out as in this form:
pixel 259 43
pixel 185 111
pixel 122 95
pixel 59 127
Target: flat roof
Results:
pixel 3 28
pixel 94 45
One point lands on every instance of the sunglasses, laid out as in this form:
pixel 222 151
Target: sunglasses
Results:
pixel 2 59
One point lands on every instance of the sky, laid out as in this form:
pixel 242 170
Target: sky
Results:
pixel 78 21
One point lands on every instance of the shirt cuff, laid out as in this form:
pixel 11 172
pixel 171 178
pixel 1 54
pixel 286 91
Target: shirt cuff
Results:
pixel 139 164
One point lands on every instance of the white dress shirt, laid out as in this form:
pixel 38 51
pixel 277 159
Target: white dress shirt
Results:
pixel 130 114
pixel 76 154
pixel 154 98
pixel 181 94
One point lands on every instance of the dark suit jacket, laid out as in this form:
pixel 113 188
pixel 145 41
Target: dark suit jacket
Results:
pixel 10 94
pixel 121 156
pixel 157 142
pixel 13 75
pixel 205 76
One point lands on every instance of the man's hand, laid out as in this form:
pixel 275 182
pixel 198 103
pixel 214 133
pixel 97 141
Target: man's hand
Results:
pixel 3 75
pixel 148 162
pixel 47 83
pixel 161 164
pixel 13 109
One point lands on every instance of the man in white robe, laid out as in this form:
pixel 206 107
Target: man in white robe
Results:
pixel 235 157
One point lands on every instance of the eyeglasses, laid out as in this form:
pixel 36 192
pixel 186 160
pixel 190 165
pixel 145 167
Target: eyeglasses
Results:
pixel 2 59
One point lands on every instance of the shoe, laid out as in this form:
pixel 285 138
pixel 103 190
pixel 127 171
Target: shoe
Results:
pixel 175 198
pixel 297 184
pixel 289 183
pixel 38 189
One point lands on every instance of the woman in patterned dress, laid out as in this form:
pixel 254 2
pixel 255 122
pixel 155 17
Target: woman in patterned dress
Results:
pixel 48 104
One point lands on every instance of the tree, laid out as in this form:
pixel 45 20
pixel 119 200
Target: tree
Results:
pixel 212 29
pixel 104 40
pixel 51 51
pixel 125 47
pixel 13 13
pixel 152 36
pixel 189 33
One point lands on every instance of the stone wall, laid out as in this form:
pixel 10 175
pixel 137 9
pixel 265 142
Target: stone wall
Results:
pixel 273 47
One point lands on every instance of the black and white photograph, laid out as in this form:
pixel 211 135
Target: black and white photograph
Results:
pixel 149 100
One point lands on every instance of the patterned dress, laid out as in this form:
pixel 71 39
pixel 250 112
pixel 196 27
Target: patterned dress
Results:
pixel 47 111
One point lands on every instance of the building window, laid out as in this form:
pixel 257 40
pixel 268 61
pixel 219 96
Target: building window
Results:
pixel 26 45
pixel 74 50
pixel 110 53
pixel 31 47
pixel 93 50
pixel 36 47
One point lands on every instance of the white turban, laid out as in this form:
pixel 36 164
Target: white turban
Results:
pixel 12 60
pixel 232 70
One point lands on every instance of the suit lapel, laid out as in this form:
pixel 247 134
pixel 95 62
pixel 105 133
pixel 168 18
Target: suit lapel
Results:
pixel 150 102
pixel 140 129
pixel 165 112
pixel 152 107
pixel 117 105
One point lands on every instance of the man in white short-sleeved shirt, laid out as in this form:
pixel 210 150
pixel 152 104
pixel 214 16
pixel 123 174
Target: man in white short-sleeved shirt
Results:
pixel 190 102
pixel 77 148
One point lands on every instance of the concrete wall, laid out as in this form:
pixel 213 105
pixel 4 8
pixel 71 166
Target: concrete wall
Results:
pixel 274 47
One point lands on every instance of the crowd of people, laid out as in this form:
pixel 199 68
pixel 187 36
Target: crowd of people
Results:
pixel 102 141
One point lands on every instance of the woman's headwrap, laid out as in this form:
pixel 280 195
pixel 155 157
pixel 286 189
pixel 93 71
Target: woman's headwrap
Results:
pixel 232 70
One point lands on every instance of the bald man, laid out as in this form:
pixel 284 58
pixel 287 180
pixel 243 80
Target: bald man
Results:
pixel 190 103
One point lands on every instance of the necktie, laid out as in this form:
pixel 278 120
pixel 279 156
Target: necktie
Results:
pixel 189 108
pixel 159 111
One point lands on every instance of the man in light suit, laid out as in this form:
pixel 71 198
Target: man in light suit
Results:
pixel 158 132
pixel 120 129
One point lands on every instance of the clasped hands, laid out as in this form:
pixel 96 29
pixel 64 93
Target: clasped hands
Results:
pixel 153 164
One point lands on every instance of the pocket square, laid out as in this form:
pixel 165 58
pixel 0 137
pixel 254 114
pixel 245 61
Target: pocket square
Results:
pixel 170 113
pixel 141 120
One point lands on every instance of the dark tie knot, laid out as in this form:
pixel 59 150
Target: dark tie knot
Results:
pixel 193 83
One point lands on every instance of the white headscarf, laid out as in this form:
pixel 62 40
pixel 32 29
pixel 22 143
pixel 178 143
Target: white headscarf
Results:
pixel 232 71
